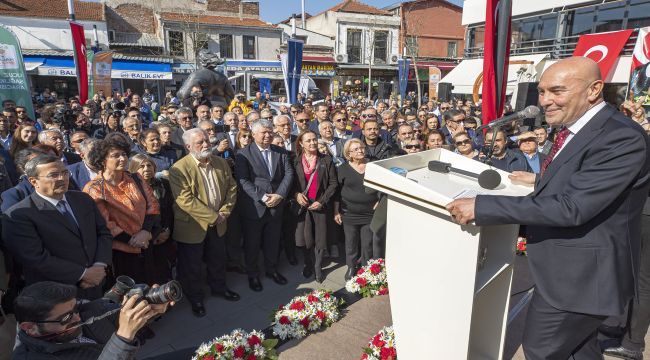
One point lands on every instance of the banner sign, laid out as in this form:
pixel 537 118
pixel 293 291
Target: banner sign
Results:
pixel 294 68
pixel 434 78
pixel 90 54
pixel 602 48
pixel 640 79
pixel 13 80
pixel 79 50
pixel 498 14
pixel 319 70
pixel 101 70
pixel 403 76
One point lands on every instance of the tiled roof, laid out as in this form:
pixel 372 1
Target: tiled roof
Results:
pixel 215 20
pixel 354 6
pixel 116 55
pixel 56 9
pixel 136 39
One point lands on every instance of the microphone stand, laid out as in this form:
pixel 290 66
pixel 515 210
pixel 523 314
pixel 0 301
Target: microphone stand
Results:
pixel 488 156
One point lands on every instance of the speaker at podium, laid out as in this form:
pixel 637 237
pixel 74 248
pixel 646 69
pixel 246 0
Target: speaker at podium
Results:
pixel 449 284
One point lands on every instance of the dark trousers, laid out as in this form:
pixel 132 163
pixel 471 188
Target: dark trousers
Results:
pixel 639 318
pixel 552 334
pixel 212 251
pixel 288 239
pixel 358 244
pixel 262 233
pixel 234 248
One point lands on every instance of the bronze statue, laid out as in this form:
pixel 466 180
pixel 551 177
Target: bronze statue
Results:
pixel 215 85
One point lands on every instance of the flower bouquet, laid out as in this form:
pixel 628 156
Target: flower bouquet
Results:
pixel 238 345
pixel 521 246
pixel 306 313
pixel 370 280
pixel 381 346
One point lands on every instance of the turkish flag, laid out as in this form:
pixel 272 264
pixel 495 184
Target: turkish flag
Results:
pixel 79 48
pixel 602 48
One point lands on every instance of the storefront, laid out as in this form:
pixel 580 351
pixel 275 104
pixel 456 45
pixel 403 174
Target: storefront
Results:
pixel 423 73
pixel 354 78
pixel 322 70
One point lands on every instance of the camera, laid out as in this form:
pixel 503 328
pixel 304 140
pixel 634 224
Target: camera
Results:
pixel 222 128
pixel 240 98
pixel 65 118
pixel 125 286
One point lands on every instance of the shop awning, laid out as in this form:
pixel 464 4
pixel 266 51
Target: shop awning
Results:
pixel 253 65
pixel 526 68
pixel 319 59
pixel 122 69
pixel 31 63
pixel 442 65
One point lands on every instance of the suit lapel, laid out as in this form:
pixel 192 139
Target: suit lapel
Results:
pixel 275 158
pixel 195 173
pixel 48 209
pixel 577 143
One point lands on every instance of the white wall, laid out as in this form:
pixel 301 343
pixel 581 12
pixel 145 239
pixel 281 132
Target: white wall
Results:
pixel 51 33
pixel 474 10
pixel 313 38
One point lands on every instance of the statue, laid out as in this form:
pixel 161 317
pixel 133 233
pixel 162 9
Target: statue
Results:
pixel 215 85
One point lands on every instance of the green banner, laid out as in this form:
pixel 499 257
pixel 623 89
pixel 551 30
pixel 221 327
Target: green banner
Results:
pixel 90 55
pixel 13 80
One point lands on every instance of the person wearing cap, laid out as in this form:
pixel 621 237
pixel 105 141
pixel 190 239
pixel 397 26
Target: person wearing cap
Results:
pixel 527 142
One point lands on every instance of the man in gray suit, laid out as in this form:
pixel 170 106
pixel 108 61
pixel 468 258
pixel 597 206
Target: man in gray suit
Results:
pixel 583 218
pixel 265 177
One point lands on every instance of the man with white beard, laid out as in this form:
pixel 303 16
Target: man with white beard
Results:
pixel 205 193
pixel 219 146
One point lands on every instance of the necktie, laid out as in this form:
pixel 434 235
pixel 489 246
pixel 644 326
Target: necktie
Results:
pixel 267 158
pixel 66 214
pixel 557 145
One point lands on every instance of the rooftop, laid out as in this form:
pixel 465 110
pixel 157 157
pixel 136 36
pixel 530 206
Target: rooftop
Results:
pixel 354 6
pixel 52 9
pixel 215 20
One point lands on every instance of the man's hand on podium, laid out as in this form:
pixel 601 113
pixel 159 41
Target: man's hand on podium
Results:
pixel 462 210
pixel 522 178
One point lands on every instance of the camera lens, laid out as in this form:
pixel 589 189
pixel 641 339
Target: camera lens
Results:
pixel 165 293
pixel 122 286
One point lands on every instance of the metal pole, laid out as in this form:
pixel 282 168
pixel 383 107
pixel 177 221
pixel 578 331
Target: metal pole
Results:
pixel 304 25
pixel 71 10
pixel 96 38
pixel 293 26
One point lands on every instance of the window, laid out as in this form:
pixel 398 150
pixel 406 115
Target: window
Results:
pixel 200 41
pixel 225 46
pixel 176 44
pixel 477 37
pixel 411 46
pixel 610 17
pixel 381 47
pixel 638 14
pixel 581 21
pixel 534 28
pixel 111 35
pixel 354 46
pixel 249 46
pixel 452 49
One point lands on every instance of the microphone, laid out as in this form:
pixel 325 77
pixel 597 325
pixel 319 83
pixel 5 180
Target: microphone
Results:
pixel 527 113
pixel 487 179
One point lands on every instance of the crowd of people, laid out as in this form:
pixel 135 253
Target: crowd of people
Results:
pixel 125 185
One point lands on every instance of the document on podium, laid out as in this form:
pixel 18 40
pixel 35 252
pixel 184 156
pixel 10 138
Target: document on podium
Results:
pixel 468 194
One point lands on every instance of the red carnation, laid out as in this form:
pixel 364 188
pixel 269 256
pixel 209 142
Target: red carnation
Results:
pixel 364 356
pixel 327 295
pixel 312 299
pixel 360 271
pixel 239 352
pixel 281 307
pixel 388 353
pixel 251 357
pixel 377 342
pixel 375 269
pixel 254 340
pixel 305 322
pixel 361 281
pixel 208 357
pixel 218 347
pixel 320 315
pixel 284 320
pixel 298 305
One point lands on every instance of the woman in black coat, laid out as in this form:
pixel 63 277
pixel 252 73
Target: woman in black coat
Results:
pixel 311 201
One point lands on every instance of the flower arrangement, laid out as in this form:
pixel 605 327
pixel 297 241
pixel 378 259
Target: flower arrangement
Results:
pixel 521 246
pixel 306 313
pixel 381 346
pixel 370 280
pixel 238 345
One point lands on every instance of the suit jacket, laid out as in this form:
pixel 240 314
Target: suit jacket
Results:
pixel 546 148
pixel 327 179
pixel 71 158
pixel 254 180
pixel 583 218
pixel 79 176
pixel 47 246
pixel 192 215
pixel 11 197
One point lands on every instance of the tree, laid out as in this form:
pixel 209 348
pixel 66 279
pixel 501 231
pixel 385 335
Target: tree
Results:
pixel 194 38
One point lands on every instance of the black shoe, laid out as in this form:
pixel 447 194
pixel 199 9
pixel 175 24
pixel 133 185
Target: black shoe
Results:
pixel 255 284
pixel 292 260
pixel 307 272
pixel 614 332
pixel 277 277
pixel 227 294
pixel 623 353
pixel 236 269
pixel 320 278
pixel 350 273
pixel 198 309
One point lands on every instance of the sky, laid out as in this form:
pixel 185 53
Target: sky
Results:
pixel 275 11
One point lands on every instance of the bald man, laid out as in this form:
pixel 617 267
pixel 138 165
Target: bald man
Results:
pixel 583 217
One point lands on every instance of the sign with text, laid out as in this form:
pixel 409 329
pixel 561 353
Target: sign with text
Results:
pixel 434 78
pixel 13 80
pixel 102 64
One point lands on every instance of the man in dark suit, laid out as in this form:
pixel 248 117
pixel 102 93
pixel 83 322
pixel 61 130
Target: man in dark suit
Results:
pixel 54 138
pixel 265 177
pixel 528 146
pixel 583 217
pixel 56 234
pixel 282 127
pixel 81 173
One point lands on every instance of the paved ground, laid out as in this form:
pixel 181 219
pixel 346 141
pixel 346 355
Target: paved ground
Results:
pixel 179 329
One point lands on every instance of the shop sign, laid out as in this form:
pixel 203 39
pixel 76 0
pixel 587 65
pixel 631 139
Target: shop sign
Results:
pixel 57 71
pixel 142 75
pixel 318 70
pixel 254 68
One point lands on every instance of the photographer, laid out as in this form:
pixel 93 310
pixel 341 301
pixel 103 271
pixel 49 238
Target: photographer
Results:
pixel 240 101
pixel 48 314
pixel 196 99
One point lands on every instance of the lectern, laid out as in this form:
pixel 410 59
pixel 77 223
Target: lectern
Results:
pixel 449 284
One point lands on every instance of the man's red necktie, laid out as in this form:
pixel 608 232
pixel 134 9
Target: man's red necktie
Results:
pixel 557 145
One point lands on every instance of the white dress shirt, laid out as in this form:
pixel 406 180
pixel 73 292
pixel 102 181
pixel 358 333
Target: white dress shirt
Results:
pixel 580 123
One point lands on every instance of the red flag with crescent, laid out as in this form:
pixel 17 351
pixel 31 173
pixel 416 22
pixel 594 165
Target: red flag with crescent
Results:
pixel 79 47
pixel 602 48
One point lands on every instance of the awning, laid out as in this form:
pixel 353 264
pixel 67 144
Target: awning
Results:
pixel 253 65
pixel 442 65
pixel 122 69
pixel 319 59
pixel 526 68
pixel 365 66
pixel 58 66
pixel 31 63
pixel 268 75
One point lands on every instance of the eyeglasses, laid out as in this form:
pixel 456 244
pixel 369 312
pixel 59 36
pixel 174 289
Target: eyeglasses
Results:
pixel 368 116
pixel 341 120
pixel 57 175
pixel 245 137
pixel 20 111
pixel 79 141
pixel 463 142
pixel 268 118
pixel 412 146
pixel 301 120
pixel 444 108
pixel 65 318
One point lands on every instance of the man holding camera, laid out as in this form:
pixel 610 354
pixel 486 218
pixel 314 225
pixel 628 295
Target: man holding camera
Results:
pixel 49 315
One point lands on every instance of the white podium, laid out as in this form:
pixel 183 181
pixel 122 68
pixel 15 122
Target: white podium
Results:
pixel 449 284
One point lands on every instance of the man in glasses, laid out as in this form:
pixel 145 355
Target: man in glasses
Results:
pixel 58 235
pixel 503 158
pixel 370 114
pixel 322 114
pixel 340 121
pixel 48 314
pixel 302 122
pixel 454 121
pixel 216 114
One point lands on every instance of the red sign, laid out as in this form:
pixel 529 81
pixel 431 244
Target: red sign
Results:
pixel 602 48
pixel 496 55
pixel 79 47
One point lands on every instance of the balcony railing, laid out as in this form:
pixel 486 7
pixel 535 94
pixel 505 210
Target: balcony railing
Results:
pixel 558 48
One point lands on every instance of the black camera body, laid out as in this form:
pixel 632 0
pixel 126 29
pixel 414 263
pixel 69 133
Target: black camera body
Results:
pixel 222 128
pixel 65 118
pixel 126 287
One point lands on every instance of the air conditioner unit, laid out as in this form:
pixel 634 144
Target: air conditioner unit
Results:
pixel 393 59
pixel 341 58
